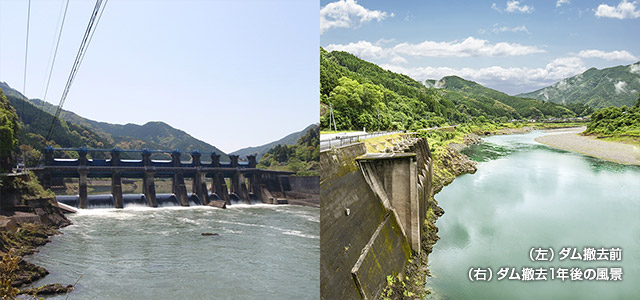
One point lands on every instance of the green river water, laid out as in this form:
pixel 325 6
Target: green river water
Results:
pixel 527 195
pixel 261 252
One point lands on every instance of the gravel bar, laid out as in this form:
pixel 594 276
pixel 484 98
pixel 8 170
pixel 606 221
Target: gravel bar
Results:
pixel 570 140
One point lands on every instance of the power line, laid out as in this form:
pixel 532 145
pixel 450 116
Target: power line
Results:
pixel 76 65
pixel 55 53
pixel 26 50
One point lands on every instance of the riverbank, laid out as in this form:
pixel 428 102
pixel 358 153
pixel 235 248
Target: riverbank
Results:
pixel 22 234
pixel 571 140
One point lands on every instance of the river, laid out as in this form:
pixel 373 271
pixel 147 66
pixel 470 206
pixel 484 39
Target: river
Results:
pixel 526 196
pixel 260 252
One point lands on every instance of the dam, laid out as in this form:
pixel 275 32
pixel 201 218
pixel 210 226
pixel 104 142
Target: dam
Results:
pixel 246 181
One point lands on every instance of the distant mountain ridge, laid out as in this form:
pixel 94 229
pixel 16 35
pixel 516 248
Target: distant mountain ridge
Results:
pixel 290 139
pixel 503 104
pixel 615 86
pixel 153 135
pixel 364 95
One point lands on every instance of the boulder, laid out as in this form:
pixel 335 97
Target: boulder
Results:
pixel 8 224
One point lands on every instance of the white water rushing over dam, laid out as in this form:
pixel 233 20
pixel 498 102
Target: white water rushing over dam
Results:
pixel 526 195
pixel 260 252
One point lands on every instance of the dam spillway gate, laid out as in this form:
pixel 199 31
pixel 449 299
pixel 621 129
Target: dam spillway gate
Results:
pixel 246 180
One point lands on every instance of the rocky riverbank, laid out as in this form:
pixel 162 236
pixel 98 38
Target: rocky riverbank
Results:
pixel 448 164
pixel 22 231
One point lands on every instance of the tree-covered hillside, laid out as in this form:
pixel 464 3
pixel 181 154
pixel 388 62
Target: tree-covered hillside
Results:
pixel 617 122
pixel 362 95
pixel 8 132
pixel 152 135
pixel 525 107
pixel 259 151
pixel 75 131
pixel 615 86
pixel 302 157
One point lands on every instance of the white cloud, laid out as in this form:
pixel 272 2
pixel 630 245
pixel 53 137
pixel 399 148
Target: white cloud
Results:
pixel 497 29
pixel 399 60
pixel 560 2
pixel 635 68
pixel 527 78
pixel 624 10
pixel 362 49
pixel 467 48
pixel 514 6
pixel 620 87
pixel 347 14
pixel 612 55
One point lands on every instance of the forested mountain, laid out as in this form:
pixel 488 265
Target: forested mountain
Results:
pixel 35 124
pixel 153 135
pixel 363 95
pixel 290 139
pixel 615 86
pixel 75 131
pixel 503 104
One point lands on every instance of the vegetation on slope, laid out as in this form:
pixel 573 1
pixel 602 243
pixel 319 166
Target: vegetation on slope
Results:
pixel 615 86
pixel 301 158
pixel 152 135
pixel 362 95
pixel 73 131
pixel 524 107
pixel 259 151
pixel 618 123
pixel 8 132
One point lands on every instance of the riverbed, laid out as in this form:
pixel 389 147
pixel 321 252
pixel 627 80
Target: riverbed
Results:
pixel 254 252
pixel 527 199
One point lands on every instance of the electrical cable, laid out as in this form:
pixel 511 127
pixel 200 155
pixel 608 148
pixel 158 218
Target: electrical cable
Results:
pixel 76 65
pixel 55 53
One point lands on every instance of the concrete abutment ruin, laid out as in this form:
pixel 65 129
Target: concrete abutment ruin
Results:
pixel 373 211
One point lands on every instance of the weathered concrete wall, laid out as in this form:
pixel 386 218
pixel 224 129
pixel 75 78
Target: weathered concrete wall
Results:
pixel 304 183
pixel 371 216
pixel 361 241
pixel 393 177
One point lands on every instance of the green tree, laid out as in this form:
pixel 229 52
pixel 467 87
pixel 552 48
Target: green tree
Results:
pixel 8 132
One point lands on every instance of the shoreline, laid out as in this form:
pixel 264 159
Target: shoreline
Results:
pixel 607 150
pixel 23 234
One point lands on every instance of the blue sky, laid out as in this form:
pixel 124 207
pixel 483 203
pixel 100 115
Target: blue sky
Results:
pixel 512 46
pixel 231 73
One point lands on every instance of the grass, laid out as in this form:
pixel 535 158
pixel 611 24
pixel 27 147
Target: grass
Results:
pixel 373 144
pixel 558 125
pixel 626 139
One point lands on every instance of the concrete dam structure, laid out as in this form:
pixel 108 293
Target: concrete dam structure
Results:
pixel 246 181
pixel 372 216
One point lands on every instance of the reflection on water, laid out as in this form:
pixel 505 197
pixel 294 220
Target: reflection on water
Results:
pixel 526 195
pixel 261 251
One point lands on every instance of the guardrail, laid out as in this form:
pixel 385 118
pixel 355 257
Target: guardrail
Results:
pixel 340 141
